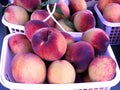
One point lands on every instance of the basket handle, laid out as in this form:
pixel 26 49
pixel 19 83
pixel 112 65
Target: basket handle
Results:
pixel 51 15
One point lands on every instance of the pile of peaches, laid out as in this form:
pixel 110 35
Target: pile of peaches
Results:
pixel 110 10
pixel 45 54
pixel 67 14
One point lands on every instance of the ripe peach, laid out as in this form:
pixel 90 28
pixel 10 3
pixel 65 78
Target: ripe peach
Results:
pixel 19 43
pixel 98 38
pixel 62 10
pixel 80 53
pixel 102 4
pixel 28 68
pixel 41 15
pixel 77 5
pixel 61 71
pixel 84 20
pixel 49 43
pixel 112 13
pixel 102 68
pixel 66 27
pixel 29 5
pixel 68 37
pixel 33 25
pixel 16 15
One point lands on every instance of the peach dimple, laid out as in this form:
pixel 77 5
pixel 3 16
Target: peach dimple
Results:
pixel 49 43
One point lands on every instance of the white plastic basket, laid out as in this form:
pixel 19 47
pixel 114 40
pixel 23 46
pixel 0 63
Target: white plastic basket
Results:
pixel 8 82
pixel 13 28
pixel 112 29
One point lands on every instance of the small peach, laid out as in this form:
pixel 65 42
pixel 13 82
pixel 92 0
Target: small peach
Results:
pixel 60 72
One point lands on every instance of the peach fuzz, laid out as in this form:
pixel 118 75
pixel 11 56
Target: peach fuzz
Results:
pixel 111 12
pixel 80 53
pixel 77 5
pixel 84 20
pixel 33 25
pixel 103 3
pixel 28 68
pixel 41 14
pixel 117 1
pixel 102 68
pixel 19 43
pixel 29 5
pixel 61 72
pixel 49 43
pixel 98 38
pixel 16 15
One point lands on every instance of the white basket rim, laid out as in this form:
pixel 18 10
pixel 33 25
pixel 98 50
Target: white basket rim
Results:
pixel 11 25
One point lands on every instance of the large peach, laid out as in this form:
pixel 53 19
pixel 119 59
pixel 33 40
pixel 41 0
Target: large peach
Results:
pixel 80 53
pixel 77 5
pixel 102 68
pixel 98 38
pixel 111 12
pixel 19 43
pixel 28 68
pixel 102 4
pixel 40 14
pixel 16 15
pixel 29 5
pixel 84 20
pixel 60 72
pixel 33 25
pixel 49 43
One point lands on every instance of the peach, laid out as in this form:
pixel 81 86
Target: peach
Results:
pixel 33 25
pixel 41 15
pixel 66 24
pixel 98 38
pixel 103 3
pixel 19 43
pixel 16 15
pixel 60 72
pixel 80 53
pixel 77 5
pixel 102 68
pixel 68 37
pixel 62 10
pixel 28 68
pixel 84 20
pixel 111 12
pixel 49 43
pixel 117 1
pixel 29 5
